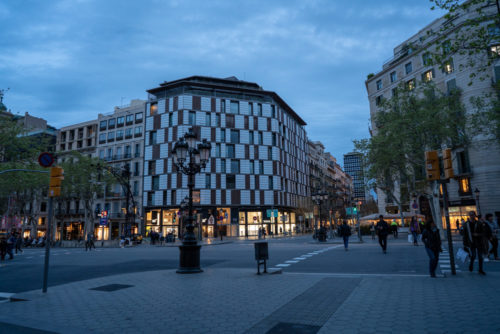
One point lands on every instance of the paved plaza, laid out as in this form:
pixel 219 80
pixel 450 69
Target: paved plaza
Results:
pixel 299 297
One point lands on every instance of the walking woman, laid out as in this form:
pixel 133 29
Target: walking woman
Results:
pixel 415 230
pixel 432 241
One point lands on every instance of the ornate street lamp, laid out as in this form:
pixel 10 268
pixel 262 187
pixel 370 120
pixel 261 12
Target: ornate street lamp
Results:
pixel 190 160
pixel 318 197
pixel 477 192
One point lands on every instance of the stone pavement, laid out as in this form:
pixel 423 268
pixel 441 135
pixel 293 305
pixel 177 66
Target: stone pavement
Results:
pixel 238 301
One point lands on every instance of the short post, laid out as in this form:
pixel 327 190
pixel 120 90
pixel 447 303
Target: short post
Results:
pixel 261 255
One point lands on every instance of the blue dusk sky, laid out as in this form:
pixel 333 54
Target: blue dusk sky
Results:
pixel 67 61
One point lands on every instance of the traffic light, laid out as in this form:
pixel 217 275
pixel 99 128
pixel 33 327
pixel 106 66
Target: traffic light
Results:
pixel 432 165
pixel 56 177
pixel 447 164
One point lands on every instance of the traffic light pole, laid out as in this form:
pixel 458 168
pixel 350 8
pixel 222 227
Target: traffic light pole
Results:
pixel 448 227
pixel 47 246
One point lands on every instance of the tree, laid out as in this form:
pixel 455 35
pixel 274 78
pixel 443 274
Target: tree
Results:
pixel 409 123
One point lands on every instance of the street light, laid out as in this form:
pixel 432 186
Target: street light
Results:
pixel 318 197
pixel 477 192
pixel 190 160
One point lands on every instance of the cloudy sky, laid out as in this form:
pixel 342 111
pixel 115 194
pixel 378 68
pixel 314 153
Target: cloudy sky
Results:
pixel 67 61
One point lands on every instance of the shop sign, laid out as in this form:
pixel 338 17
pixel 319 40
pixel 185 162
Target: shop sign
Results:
pixel 267 221
pixel 104 218
pixel 254 218
pixel 211 220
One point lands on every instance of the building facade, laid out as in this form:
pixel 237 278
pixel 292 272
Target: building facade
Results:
pixel 258 162
pixel 353 165
pixel 477 166
pixel 121 146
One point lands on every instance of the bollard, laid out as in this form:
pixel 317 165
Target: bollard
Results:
pixel 261 255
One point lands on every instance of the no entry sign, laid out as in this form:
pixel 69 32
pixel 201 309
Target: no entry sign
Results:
pixel 45 159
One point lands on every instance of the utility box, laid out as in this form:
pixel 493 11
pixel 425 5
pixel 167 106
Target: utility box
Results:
pixel 261 255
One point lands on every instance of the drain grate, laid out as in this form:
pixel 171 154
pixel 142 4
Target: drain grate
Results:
pixel 288 328
pixel 112 287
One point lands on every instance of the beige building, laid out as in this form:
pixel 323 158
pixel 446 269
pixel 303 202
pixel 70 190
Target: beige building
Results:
pixel 476 167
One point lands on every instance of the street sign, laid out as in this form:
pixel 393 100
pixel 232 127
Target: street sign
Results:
pixel 254 218
pixel 104 218
pixel 269 213
pixel 45 159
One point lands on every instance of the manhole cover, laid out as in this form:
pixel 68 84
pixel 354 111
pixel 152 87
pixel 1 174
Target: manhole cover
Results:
pixel 288 328
pixel 112 287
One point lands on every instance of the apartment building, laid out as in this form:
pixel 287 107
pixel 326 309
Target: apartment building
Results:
pixel 476 167
pixel 353 165
pixel 258 159
pixel 121 146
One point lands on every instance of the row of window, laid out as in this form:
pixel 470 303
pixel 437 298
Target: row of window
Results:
pixel 230 182
pixel 120 121
pixel 234 108
pixel 119 135
pixel 120 152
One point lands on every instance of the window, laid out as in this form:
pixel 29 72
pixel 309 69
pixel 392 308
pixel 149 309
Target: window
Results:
pixel 138 117
pixel 137 150
pixel 138 131
pixel 128 133
pixel 102 138
pixel 235 166
pixel 136 169
pixel 170 119
pixel 493 30
pixel 428 76
pixel 128 151
pixel 269 153
pixel 446 47
pixel 222 105
pixel 426 59
pixel 234 107
pixel 379 84
pixel 217 150
pixel 119 134
pixel 235 136
pixel 273 111
pixel 110 153
pixel 101 154
pixel 111 136
pixel 223 165
pixel 223 135
pixel 192 118
pixel 150 167
pixel 451 85
pixel 260 137
pixel 259 109
pixel 271 183
pixel 119 153
pixel 394 92
pixel 207 119
pixel 229 121
pixel 152 138
pixel 153 109
pixel 495 50
pixel 410 84
pixel 208 181
pixel 111 123
pixel 378 100
pixel 462 162
pixel 151 198
pixel 129 119
pixel 250 108
pixel 136 188
pixel 103 125
pixel 251 137
pixel 120 121
pixel 261 167
pixel 448 66
pixel 217 119
pixel 408 68
pixel 230 182
pixel 156 182
pixel 274 139
pixel 464 186
pixel 229 151
pixel 252 167
pixel 394 76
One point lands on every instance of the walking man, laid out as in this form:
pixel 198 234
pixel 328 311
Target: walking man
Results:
pixel 415 230
pixel 432 242
pixel 382 231
pixel 11 241
pixel 394 227
pixel 475 234
pixel 19 243
pixel 345 233
pixel 494 235
pixel 372 231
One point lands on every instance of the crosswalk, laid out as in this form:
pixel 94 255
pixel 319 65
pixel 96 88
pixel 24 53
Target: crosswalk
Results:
pixel 444 263
pixel 302 258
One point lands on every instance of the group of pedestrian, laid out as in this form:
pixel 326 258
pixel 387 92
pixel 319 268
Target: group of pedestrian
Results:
pixel 89 243
pixel 9 243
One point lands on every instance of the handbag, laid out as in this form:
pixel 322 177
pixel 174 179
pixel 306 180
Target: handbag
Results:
pixel 410 238
pixel 462 255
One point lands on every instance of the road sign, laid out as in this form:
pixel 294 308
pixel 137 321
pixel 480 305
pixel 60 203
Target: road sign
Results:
pixel 45 159
pixel 254 218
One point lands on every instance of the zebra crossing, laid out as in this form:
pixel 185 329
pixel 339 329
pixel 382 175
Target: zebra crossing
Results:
pixel 295 260
pixel 444 263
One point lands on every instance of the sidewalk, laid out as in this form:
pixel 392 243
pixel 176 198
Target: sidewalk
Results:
pixel 239 301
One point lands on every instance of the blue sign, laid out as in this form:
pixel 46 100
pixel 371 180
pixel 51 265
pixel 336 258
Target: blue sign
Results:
pixel 45 159
pixel 104 218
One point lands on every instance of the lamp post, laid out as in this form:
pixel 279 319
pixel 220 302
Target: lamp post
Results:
pixel 190 158
pixel 318 197
pixel 477 192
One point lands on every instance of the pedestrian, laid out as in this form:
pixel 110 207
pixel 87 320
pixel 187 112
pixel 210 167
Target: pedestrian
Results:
pixel 457 224
pixel 19 244
pixel 3 247
pixel 432 242
pixel 415 230
pixel 494 236
pixel 345 233
pixel 90 242
pixel 382 231
pixel 11 242
pixel 394 228
pixel 372 230
pixel 475 234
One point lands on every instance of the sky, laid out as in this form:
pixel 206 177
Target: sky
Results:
pixel 66 61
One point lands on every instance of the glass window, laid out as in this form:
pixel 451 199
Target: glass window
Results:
pixel 222 105
pixel 448 66
pixel 260 137
pixel 223 165
pixel 408 68
pixel 269 153
pixel 261 167
pixel 259 109
pixel 250 108
pixel 230 181
pixel 153 109
pixel 207 119
pixel 156 182
pixel 451 85
pixel 119 134
pixel 192 118
pixel 446 47
pixel 217 119
pixel 235 136
pixel 152 138
pixel 128 133
pixel 428 76
pixel 110 153
pixel 208 181
pixel 394 76
pixel 230 151
pixel 235 166
pixel 138 131
pixel 274 139
pixel 120 121
pixel 138 116
pixel 495 50
pixel 464 186
pixel 271 184
pixel 111 135
pixel 379 84
pixel 217 150
pixel 251 137
pixel 129 119
pixel 101 154
pixel 102 137
pixel 252 165
pixel 223 135
pixel 103 125
pixel 273 111
pixel 111 123
pixel 235 107
pixel 378 100
pixel 410 84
